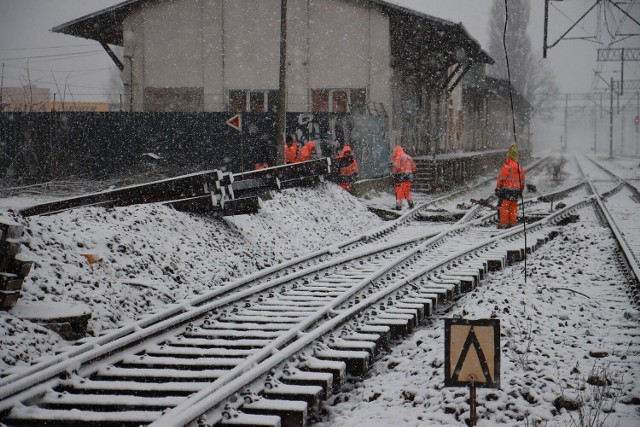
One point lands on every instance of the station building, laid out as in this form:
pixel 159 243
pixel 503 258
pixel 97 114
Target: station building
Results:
pixel 366 57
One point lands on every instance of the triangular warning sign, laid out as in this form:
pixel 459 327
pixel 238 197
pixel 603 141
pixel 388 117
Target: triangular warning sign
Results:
pixel 236 122
pixel 472 352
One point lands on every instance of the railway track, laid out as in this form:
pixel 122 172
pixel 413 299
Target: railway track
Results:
pixel 268 349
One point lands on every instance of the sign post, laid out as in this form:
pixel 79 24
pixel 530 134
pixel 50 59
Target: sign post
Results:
pixel 236 123
pixel 472 356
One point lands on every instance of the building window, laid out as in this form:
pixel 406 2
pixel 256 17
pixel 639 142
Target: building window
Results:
pixel 338 100
pixel 176 99
pixel 254 101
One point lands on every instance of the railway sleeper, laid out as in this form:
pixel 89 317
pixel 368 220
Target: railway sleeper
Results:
pixel 467 283
pixel 428 304
pixel 134 388
pixel 197 352
pixel 451 286
pixel 357 362
pixel 114 373
pixel 111 403
pixel 244 344
pixel 495 263
pixel 429 291
pixel 378 340
pixel 417 307
pixel 354 345
pixel 399 327
pixel 296 376
pixel 311 394
pixel 410 314
pixel 514 255
pixel 292 413
pixel 478 273
pixel 383 332
pixel 28 417
pixel 202 363
pixel 231 334
pixel 337 369
pixel 242 419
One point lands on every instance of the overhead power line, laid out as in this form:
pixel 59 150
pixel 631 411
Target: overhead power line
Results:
pixel 46 47
pixel 58 55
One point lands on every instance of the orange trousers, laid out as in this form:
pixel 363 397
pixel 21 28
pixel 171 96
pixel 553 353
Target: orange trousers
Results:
pixel 509 212
pixel 403 190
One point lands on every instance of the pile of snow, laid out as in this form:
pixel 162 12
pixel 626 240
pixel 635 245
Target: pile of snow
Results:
pixel 569 323
pixel 151 255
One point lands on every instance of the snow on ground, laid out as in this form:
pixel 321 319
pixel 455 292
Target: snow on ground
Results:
pixel 549 328
pixel 151 255
pixel 570 309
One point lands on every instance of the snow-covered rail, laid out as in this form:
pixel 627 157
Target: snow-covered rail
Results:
pixel 618 208
pixel 289 333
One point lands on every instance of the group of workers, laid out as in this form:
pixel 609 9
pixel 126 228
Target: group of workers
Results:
pixel 509 186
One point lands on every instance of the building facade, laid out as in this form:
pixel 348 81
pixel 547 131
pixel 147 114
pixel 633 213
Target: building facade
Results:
pixel 359 56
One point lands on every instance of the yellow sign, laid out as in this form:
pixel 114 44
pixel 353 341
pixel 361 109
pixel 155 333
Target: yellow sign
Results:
pixel 472 353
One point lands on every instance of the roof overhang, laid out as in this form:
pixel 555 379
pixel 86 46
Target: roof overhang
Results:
pixel 104 26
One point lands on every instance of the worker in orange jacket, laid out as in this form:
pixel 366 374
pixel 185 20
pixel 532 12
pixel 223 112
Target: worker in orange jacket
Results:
pixel 509 187
pixel 348 173
pixel 307 152
pixel 290 150
pixel 403 169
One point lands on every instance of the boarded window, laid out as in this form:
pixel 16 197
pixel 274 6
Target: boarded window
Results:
pixel 320 101
pixel 173 99
pixel 237 101
pixel 256 101
pixel 358 100
pixel 338 100
pixel 273 100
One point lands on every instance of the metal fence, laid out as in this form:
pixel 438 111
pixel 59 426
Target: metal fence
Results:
pixel 39 146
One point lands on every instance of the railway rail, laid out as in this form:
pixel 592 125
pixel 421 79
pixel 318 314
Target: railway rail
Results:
pixel 269 348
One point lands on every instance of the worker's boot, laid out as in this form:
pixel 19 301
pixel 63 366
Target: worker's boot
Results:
pixel 398 207
pixel 411 205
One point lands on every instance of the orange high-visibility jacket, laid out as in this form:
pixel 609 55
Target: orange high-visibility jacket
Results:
pixel 511 176
pixel 403 166
pixel 290 153
pixel 510 182
pixel 306 152
pixel 352 168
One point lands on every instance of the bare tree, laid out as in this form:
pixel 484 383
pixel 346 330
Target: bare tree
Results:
pixel 530 77
pixel 115 88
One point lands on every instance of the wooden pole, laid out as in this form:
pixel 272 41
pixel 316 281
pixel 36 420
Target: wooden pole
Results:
pixel 282 107
pixel 473 417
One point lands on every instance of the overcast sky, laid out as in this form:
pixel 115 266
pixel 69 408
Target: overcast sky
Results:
pixel 25 35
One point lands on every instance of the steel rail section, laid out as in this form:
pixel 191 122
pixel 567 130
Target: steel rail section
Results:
pixel 209 398
pixel 179 314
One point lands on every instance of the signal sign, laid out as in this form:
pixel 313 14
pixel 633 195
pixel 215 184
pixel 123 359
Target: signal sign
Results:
pixel 236 122
pixel 637 120
pixel 472 353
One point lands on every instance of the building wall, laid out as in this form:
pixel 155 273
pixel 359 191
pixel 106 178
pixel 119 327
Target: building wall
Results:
pixel 209 47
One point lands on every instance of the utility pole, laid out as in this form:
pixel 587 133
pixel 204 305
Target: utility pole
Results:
pixel 282 88
pixel 622 132
pixel 2 88
pixel 637 122
pixel 566 110
pixel 611 119
pixel 595 127
pixel 130 58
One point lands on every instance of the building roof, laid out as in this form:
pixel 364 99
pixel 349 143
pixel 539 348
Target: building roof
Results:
pixel 105 26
